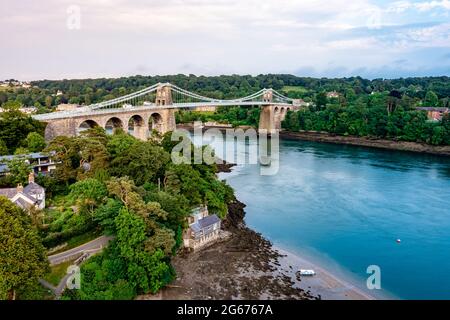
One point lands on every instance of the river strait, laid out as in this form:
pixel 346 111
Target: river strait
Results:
pixel 346 207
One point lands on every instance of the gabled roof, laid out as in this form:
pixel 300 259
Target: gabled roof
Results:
pixel 33 188
pixel 24 196
pixel 205 222
pixel 8 192
pixel 22 203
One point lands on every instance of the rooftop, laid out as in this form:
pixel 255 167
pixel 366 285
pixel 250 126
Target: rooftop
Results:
pixel 205 222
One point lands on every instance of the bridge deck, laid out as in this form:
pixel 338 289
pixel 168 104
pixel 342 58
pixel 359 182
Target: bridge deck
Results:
pixel 87 111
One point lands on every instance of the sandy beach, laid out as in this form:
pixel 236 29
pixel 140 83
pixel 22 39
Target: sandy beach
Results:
pixel 324 284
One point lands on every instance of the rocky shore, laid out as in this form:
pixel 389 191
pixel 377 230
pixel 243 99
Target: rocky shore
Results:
pixel 244 266
pixel 367 142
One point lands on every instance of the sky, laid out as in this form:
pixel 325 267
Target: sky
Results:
pixel 57 39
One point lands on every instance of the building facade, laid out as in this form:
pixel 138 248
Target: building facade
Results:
pixel 203 228
pixel 434 113
pixel 41 163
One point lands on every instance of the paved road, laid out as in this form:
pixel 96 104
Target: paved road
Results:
pixel 86 249
pixel 93 246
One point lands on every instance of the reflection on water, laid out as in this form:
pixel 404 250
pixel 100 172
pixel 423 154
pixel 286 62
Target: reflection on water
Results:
pixel 348 205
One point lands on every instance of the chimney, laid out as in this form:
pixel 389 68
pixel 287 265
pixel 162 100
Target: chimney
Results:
pixel 31 177
pixel 19 188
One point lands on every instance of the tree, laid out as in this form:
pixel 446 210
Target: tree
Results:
pixel 67 155
pixel 125 190
pixel 15 127
pixel 94 157
pixel 3 148
pixel 321 99
pixel 147 272
pixel 120 142
pixel 35 142
pixel 106 213
pixel 183 179
pixel 48 101
pixel 143 162
pixel 21 151
pixel 88 193
pixel 19 169
pixel 23 258
pixel 431 99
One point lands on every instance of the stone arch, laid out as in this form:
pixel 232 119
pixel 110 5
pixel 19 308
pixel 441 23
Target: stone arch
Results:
pixel 85 125
pixel 113 124
pixel 136 127
pixel 155 122
pixel 276 109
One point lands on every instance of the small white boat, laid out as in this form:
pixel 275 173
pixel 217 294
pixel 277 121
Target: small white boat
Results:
pixel 307 272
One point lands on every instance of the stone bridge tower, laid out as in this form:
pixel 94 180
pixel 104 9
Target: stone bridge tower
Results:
pixel 272 115
pixel 164 96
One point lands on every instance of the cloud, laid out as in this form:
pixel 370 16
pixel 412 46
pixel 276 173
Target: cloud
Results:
pixel 402 6
pixel 119 37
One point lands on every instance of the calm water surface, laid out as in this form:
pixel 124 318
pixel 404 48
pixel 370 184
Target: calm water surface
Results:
pixel 345 206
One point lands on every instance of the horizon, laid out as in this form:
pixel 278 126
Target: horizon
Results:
pixel 224 75
pixel 334 39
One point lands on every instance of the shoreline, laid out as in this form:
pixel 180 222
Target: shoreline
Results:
pixel 325 137
pixel 325 283
pixel 245 265
pixel 406 146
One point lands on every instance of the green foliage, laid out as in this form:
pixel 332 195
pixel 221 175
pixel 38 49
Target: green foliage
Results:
pixel 431 99
pixel 35 142
pixel 67 154
pixel 321 99
pixel 233 115
pixel 21 151
pixel 15 127
pixel 371 120
pixel 127 188
pixel 3 148
pixel 19 169
pixel 103 278
pixel 148 272
pixel 106 213
pixel 88 193
pixel 119 143
pixel 65 226
pixel 143 162
pixel 23 260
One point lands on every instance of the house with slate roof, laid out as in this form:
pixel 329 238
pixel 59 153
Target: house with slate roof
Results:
pixel 32 196
pixel 42 163
pixel 203 228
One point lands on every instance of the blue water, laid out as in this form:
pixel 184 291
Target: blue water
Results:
pixel 345 206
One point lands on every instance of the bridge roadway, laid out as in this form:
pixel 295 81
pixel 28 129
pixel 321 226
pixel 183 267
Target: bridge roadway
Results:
pixel 87 111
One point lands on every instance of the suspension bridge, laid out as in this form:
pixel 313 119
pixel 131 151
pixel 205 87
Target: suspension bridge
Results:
pixel 153 108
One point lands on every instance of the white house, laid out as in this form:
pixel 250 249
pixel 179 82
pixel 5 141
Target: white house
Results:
pixel 33 195
pixel 203 228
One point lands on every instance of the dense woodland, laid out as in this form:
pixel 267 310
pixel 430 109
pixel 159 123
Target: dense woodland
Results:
pixel 121 186
pixel 87 91
pixel 388 116
pixel 379 108
pixel 115 185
